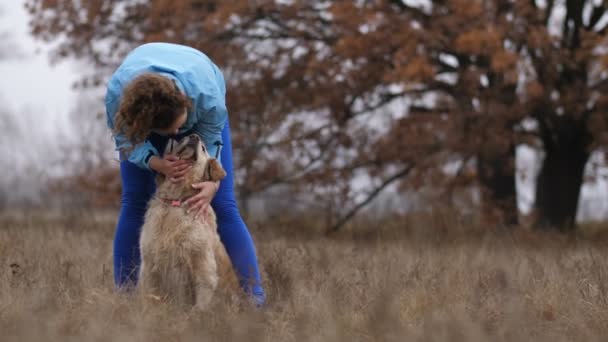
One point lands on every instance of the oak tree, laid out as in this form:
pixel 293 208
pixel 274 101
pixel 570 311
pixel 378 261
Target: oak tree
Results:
pixel 326 95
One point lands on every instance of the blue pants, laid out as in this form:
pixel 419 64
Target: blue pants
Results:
pixel 138 186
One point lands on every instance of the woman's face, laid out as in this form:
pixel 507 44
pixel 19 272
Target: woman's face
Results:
pixel 174 128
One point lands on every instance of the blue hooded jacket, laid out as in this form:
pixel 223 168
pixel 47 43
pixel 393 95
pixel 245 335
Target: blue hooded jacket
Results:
pixel 194 74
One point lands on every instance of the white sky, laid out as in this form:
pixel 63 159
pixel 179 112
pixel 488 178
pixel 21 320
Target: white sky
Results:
pixel 29 82
pixel 38 99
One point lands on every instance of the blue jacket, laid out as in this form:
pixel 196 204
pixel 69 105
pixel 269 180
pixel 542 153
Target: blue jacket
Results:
pixel 194 73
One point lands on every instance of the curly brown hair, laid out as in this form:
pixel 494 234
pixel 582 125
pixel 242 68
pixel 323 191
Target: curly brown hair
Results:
pixel 150 101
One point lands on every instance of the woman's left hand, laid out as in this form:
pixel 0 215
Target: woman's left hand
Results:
pixel 200 202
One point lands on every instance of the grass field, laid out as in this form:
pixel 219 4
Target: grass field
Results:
pixel 424 280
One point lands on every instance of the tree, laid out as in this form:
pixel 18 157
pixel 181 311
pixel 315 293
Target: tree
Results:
pixel 569 103
pixel 323 93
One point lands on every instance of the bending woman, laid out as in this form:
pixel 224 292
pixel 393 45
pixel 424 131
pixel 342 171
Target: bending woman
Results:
pixel 163 91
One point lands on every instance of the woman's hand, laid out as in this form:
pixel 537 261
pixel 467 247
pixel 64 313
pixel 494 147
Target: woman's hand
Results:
pixel 170 166
pixel 200 202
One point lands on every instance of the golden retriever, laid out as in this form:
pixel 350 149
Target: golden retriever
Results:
pixel 183 258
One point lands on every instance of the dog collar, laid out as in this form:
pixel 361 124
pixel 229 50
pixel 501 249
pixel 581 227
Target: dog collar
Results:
pixel 172 202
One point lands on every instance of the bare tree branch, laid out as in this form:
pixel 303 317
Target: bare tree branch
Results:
pixel 352 212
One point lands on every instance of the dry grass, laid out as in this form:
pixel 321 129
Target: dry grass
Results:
pixel 415 281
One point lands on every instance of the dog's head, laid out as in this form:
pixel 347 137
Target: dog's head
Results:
pixel 191 148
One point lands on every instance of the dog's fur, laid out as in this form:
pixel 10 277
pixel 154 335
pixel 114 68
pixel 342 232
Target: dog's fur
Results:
pixel 183 258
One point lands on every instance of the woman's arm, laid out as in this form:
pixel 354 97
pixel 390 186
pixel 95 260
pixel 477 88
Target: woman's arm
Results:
pixel 209 127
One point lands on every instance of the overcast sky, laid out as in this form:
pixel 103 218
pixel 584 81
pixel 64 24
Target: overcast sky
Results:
pixel 36 102
pixel 28 80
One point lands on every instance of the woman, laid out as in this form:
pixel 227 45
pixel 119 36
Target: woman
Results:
pixel 166 90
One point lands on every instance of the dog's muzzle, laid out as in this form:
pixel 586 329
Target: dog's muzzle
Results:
pixel 193 139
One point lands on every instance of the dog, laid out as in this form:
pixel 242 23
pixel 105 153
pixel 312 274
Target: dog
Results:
pixel 183 258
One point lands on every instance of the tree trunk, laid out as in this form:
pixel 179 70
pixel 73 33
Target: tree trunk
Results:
pixel 498 194
pixel 559 184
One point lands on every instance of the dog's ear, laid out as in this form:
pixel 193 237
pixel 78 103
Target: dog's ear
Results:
pixel 215 171
pixel 170 146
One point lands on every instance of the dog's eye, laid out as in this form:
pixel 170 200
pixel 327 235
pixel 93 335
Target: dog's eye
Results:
pixel 204 148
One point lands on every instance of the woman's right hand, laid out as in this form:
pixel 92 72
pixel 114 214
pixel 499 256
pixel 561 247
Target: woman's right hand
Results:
pixel 170 166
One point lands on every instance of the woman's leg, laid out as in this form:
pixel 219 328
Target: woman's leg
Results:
pixel 232 229
pixel 137 189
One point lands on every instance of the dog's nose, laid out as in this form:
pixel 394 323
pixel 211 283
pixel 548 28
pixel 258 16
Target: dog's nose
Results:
pixel 194 137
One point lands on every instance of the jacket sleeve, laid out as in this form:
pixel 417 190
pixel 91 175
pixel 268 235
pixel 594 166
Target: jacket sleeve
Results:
pixel 210 123
pixel 140 154
pixel 212 114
